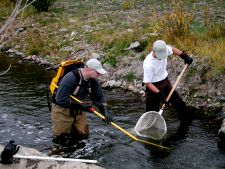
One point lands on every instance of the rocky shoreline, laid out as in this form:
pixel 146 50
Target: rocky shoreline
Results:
pixel 204 96
pixel 195 88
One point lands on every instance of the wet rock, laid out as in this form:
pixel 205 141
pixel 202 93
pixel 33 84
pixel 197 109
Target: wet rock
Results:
pixel 38 60
pixel 21 54
pixel 132 88
pixel 111 83
pixel 221 136
pixel 11 51
pixel 28 58
pixel 34 57
pixel 42 164
pixel 118 84
pixel 105 85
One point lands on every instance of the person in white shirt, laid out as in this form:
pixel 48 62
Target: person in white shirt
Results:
pixel 157 83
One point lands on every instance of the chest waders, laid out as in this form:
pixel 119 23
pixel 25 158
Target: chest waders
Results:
pixel 78 75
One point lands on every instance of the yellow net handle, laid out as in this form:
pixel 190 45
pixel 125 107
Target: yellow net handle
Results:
pixel 118 127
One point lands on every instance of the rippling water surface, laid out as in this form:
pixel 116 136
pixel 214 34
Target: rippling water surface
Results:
pixel 25 118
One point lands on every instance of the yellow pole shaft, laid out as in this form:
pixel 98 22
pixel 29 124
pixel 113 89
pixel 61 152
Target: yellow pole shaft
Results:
pixel 118 127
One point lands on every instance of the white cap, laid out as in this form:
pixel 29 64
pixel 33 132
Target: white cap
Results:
pixel 160 49
pixel 96 65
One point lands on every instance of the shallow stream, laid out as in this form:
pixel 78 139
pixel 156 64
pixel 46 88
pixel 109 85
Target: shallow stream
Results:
pixel 25 118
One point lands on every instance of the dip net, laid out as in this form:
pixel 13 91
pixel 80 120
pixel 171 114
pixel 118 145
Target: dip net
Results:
pixel 152 125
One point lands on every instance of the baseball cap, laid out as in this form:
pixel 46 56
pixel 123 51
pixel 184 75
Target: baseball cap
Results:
pixel 96 65
pixel 160 49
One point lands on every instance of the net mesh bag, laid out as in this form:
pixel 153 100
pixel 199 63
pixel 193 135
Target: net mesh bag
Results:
pixel 152 125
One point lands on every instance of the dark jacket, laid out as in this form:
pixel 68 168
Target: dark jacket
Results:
pixel 68 85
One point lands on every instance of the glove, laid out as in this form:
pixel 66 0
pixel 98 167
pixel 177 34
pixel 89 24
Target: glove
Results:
pixel 187 59
pixel 82 107
pixel 162 97
pixel 9 150
pixel 104 111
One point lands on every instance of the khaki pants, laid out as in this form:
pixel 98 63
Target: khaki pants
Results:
pixel 64 123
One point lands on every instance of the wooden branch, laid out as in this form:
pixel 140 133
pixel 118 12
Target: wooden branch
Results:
pixel 5 71
pixel 11 19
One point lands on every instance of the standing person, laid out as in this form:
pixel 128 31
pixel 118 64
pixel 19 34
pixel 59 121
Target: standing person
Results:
pixel 69 121
pixel 157 83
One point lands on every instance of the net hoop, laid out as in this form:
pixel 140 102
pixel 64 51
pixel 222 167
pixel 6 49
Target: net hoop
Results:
pixel 151 125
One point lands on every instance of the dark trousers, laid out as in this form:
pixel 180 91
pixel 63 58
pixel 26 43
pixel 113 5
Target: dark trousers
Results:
pixel 153 100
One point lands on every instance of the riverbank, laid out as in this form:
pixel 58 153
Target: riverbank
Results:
pixel 198 91
pixel 80 30
pixel 204 97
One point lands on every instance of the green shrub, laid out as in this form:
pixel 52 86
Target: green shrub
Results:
pixel 175 23
pixel 215 31
pixel 127 5
pixel 130 76
pixel 42 5
pixel 143 45
pixel 111 59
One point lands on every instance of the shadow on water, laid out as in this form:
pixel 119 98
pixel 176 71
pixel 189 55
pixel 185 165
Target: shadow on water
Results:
pixel 25 118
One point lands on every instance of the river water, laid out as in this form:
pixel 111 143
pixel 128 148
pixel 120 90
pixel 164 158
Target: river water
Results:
pixel 25 118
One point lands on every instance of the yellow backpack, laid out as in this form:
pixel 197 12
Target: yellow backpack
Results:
pixel 64 68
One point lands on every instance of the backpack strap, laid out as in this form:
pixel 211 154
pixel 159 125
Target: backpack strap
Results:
pixel 77 74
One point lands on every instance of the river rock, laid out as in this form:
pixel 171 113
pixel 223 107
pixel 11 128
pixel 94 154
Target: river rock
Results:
pixel 42 164
pixel 221 136
pixel 111 83
pixel 63 30
pixel 21 54
pixel 95 55
pixel 11 51
pixel 133 45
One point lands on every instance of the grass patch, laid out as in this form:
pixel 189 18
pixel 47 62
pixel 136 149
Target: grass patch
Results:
pixel 127 4
pixel 46 22
pixel 130 76
pixel 114 42
pixel 190 25
pixel 111 59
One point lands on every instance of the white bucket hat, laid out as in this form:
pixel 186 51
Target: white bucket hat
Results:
pixel 160 49
pixel 96 65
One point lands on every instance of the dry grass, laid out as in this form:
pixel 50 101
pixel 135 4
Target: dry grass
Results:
pixel 175 28
pixel 117 24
